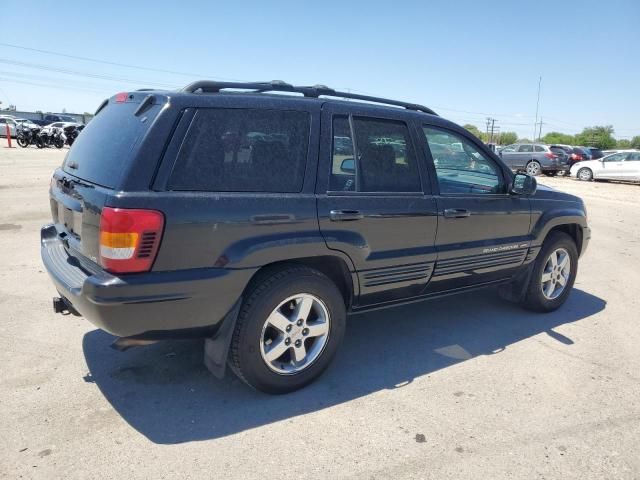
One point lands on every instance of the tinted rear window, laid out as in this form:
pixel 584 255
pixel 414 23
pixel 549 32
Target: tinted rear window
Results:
pixel 103 150
pixel 243 150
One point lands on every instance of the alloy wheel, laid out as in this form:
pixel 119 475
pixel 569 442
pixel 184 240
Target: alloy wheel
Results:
pixel 533 168
pixel 295 334
pixel 555 274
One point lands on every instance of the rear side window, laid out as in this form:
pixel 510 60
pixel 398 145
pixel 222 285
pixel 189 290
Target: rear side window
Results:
pixel 243 150
pixel 525 148
pixel 105 147
pixel 538 148
pixel 386 161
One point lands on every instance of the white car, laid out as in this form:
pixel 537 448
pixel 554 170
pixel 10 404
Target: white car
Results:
pixel 14 123
pixel 7 120
pixel 617 166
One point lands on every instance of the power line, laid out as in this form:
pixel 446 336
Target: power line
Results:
pixel 125 65
pixel 83 74
pixel 58 86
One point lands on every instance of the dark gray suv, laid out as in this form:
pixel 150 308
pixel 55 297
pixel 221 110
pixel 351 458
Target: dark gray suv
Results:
pixel 259 221
pixel 534 158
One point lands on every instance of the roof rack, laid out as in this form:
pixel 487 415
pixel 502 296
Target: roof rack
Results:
pixel 208 86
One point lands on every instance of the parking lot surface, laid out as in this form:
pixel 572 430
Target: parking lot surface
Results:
pixel 461 387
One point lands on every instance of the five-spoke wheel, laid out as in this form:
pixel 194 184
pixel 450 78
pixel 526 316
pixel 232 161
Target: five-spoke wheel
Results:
pixel 295 333
pixel 289 327
pixel 556 274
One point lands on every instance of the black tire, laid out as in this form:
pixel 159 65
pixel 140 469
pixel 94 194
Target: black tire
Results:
pixel 245 358
pixel 585 174
pixel 533 168
pixel 39 142
pixel 22 141
pixel 58 143
pixel 534 298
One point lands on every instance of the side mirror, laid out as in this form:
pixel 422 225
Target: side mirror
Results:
pixel 524 184
pixel 348 165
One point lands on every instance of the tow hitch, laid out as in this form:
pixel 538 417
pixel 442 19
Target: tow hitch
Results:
pixel 60 305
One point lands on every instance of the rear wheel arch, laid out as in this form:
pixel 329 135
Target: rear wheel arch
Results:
pixel 333 267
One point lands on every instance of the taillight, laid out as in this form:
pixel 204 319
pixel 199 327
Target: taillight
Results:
pixel 129 239
pixel 550 155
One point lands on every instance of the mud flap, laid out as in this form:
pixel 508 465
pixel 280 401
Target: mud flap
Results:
pixel 515 290
pixel 216 348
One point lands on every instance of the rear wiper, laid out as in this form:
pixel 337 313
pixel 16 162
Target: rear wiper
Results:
pixel 66 181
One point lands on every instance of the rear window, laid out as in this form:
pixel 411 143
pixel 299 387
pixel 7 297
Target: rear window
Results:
pixel 243 150
pixel 103 150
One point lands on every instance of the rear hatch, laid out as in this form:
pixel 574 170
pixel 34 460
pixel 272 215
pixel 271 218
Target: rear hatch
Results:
pixel 95 167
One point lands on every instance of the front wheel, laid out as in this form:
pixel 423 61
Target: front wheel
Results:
pixel 22 141
pixel 585 174
pixel 288 330
pixel 58 143
pixel 554 273
pixel 533 168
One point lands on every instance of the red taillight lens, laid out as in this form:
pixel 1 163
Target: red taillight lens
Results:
pixel 129 239
pixel 550 155
pixel 122 97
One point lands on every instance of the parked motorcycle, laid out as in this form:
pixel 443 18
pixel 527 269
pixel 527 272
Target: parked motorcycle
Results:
pixel 51 136
pixel 27 135
pixel 72 132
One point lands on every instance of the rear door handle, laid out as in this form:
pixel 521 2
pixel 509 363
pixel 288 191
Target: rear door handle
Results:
pixel 456 213
pixel 345 215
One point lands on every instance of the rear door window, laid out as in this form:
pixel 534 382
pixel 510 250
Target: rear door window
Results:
pixel 105 148
pixel 243 150
pixel 385 159
pixel 525 148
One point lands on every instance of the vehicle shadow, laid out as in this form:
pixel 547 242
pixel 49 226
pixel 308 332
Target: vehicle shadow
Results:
pixel 165 392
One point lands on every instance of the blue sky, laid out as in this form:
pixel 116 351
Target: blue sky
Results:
pixel 466 60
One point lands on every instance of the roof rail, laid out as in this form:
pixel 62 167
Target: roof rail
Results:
pixel 209 86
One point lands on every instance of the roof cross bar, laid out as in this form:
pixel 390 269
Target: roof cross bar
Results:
pixel 209 86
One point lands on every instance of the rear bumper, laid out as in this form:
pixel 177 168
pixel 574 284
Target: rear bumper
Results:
pixel 147 305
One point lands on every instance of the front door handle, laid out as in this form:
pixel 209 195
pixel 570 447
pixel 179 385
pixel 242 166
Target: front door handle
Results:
pixel 345 215
pixel 456 213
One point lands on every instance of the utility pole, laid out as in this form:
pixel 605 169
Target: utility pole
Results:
pixel 491 129
pixel 535 124
pixel 540 130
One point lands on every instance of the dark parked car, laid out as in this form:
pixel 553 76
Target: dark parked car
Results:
pixel 258 221
pixel 596 153
pixel 50 118
pixel 533 158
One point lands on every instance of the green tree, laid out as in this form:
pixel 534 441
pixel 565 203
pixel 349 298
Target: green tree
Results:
pixel 623 143
pixel 635 142
pixel 507 138
pixel 557 137
pixel 598 136
pixel 476 131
